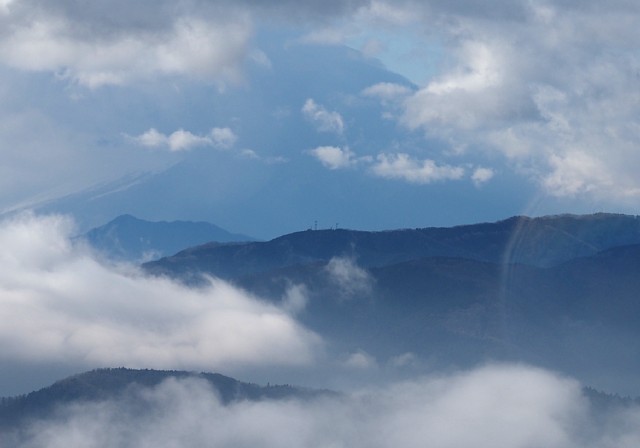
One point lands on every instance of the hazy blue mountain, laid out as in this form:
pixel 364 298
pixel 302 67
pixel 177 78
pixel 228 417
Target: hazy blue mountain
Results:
pixel 105 384
pixel 558 291
pixel 580 317
pixel 542 242
pixel 130 238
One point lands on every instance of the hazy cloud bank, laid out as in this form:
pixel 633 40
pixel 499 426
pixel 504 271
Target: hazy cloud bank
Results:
pixel 500 406
pixel 58 304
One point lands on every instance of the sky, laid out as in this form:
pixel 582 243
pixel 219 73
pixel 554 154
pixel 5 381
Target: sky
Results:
pixel 368 114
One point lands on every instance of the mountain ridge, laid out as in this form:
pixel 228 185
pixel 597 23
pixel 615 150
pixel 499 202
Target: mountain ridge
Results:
pixel 129 238
pixel 113 383
pixel 573 307
pixel 543 241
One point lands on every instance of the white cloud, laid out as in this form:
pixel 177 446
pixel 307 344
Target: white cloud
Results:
pixel 350 278
pixel 549 85
pixel 5 6
pixel 58 304
pixel 181 140
pixel 393 166
pixel 334 157
pixel 360 360
pixel 489 407
pixel 323 119
pixel 295 298
pixel 223 138
pixel 402 166
pixel 482 175
pixel 575 172
pixel 99 47
pixel 481 70
pixel 152 139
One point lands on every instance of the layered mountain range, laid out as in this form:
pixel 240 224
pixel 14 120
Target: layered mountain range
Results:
pixel 558 291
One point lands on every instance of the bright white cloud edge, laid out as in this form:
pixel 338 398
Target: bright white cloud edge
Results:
pixel 57 303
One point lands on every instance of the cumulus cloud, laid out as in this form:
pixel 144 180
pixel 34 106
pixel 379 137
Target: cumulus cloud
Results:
pixel 396 166
pixel 402 166
pixel 181 140
pixel 494 406
pixel 482 175
pixel 334 157
pixel 105 43
pixel 547 84
pixel 323 119
pixel 58 304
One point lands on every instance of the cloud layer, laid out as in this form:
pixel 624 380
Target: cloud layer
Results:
pixel 494 406
pixel 58 304
pixel 106 43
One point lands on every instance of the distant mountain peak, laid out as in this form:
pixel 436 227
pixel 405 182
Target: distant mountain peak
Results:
pixel 130 238
pixel 543 241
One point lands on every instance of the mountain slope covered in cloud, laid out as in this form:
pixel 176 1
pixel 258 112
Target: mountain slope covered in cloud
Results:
pixel 505 406
pixel 64 307
pixel 113 384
